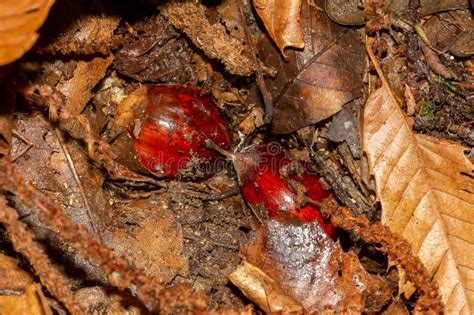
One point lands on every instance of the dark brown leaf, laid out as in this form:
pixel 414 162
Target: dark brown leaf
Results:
pixel 313 269
pixel 155 52
pixel 317 81
pixel 71 28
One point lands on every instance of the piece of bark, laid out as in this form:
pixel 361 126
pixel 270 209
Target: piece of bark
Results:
pixel 190 17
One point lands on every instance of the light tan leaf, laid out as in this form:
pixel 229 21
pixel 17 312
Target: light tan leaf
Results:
pixel 19 21
pixel 263 290
pixel 282 21
pixel 20 294
pixel 426 187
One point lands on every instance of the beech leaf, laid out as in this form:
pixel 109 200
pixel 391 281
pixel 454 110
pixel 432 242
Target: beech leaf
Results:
pixel 425 186
pixel 314 83
pixel 19 21
pixel 282 21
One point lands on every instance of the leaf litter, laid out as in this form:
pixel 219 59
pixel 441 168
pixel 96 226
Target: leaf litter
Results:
pixel 99 232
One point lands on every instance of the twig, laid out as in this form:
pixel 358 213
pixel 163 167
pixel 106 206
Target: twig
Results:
pixel 29 145
pixel 118 269
pixel 396 248
pixel 267 97
pixel 24 243
pixel 72 166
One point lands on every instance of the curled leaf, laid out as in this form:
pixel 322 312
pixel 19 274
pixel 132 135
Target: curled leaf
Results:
pixel 19 21
pixel 282 21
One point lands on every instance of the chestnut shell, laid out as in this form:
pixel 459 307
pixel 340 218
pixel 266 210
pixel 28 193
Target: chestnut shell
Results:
pixel 170 137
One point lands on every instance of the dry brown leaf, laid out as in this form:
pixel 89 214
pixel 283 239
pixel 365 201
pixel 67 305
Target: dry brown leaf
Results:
pixel 317 81
pixel 426 189
pixel 12 278
pixel 32 302
pixel 19 21
pixel 149 237
pixel 262 290
pixel 282 21
pixel 78 90
pixel 20 295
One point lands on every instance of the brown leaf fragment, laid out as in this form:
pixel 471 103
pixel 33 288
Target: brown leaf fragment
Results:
pixel 155 51
pixel 6 118
pixel 78 89
pixel 282 22
pixel 317 81
pixel 95 300
pixel 149 237
pixel 32 302
pixel 313 269
pixel 345 12
pixel 262 290
pixel 429 7
pixel 71 30
pixel 190 17
pixel 19 21
pixel 453 31
pixel 425 186
pixel 435 63
pixel 12 278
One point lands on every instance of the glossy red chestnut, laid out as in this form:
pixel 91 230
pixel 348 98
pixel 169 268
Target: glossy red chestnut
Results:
pixel 170 138
pixel 264 185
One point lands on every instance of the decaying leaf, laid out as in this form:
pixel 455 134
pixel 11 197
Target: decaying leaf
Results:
pixel 317 81
pixel 282 21
pixel 313 269
pixel 19 21
pixel 72 28
pixel 190 17
pixel 12 278
pixel 154 51
pixel 20 295
pixel 262 290
pixel 426 189
pixel 149 237
pixel 78 89
pixel 92 299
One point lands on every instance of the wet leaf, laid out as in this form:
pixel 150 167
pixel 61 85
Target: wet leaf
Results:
pixel 19 21
pixel 315 82
pixel 426 189
pixel 313 269
pixel 282 21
